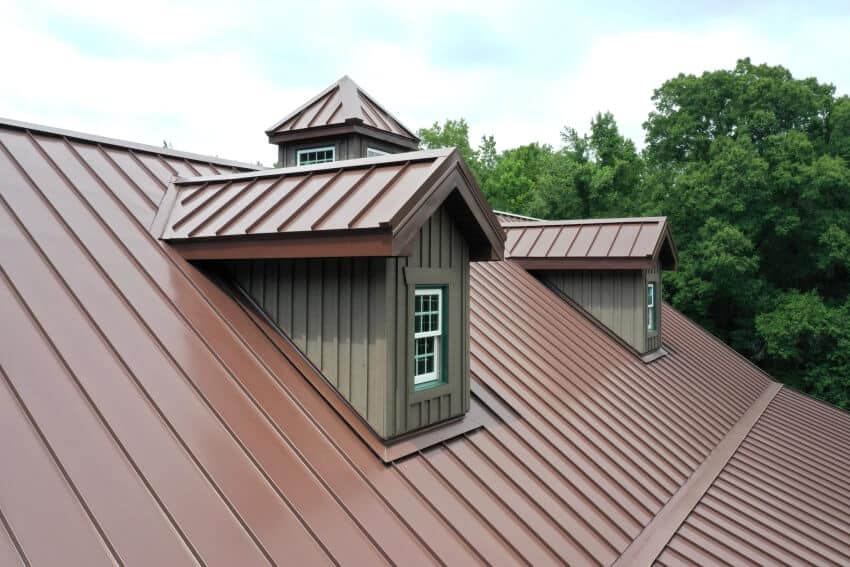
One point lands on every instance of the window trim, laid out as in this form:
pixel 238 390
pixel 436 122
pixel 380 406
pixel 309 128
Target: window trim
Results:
pixel 299 153
pixel 437 376
pixel 375 152
pixel 651 307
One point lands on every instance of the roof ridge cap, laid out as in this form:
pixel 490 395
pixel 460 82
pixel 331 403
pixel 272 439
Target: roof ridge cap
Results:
pixel 123 144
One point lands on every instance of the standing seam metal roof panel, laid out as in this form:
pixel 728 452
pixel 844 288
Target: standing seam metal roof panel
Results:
pixel 220 451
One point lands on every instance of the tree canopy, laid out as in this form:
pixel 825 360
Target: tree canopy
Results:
pixel 752 168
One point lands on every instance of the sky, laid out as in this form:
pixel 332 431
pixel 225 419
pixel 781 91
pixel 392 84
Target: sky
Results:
pixel 210 76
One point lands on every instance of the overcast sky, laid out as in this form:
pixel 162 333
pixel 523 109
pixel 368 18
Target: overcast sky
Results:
pixel 211 76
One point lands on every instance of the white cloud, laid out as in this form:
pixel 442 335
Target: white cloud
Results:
pixel 209 103
pixel 202 98
pixel 620 72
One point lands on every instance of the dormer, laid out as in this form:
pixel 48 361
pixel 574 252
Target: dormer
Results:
pixel 610 268
pixel 363 264
pixel 341 122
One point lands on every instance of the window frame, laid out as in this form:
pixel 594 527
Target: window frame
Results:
pixel 299 153
pixel 651 307
pixel 437 376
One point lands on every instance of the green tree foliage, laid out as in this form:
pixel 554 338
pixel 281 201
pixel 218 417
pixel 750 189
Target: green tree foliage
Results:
pixel 752 168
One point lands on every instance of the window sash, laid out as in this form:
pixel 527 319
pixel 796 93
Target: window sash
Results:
pixel 302 156
pixel 428 307
pixel 651 311
pixel 375 152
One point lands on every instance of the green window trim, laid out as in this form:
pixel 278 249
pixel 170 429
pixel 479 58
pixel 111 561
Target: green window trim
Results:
pixel 429 337
pixel 651 308
pixel 310 156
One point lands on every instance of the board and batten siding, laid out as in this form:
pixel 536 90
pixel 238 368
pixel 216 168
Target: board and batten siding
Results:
pixel 353 317
pixel 616 298
pixel 440 256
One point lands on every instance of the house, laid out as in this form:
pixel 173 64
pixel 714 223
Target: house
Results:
pixel 352 360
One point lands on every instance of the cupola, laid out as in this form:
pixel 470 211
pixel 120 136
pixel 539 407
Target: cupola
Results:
pixel 610 268
pixel 341 122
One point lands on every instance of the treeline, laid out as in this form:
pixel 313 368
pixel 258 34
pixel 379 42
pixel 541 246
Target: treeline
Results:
pixel 752 168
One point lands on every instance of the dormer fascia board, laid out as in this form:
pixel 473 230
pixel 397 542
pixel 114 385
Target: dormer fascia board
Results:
pixel 451 174
pixel 667 240
pixel 584 263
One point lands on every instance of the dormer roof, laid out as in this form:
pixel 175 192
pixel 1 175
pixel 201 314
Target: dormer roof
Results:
pixel 341 107
pixel 605 244
pixel 361 207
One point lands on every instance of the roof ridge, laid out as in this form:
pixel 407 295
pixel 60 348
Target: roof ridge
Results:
pixel 655 536
pixel 584 222
pixel 417 155
pixel 123 144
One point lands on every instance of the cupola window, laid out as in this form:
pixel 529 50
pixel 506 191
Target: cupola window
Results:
pixel 311 156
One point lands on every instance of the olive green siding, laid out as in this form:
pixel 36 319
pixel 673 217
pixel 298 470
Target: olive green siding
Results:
pixel 616 298
pixel 353 317
pixel 440 257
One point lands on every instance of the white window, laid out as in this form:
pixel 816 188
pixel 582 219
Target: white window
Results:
pixel 427 336
pixel 315 155
pixel 651 309
pixel 372 152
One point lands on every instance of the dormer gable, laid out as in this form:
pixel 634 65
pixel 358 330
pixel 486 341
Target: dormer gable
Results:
pixel 610 268
pixel 342 122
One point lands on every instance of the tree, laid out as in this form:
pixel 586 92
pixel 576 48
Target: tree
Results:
pixel 751 165
pixel 752 168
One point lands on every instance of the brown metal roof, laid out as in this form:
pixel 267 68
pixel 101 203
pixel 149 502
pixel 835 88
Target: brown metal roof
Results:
pixel 361 207
pixel 600 243
pixel 145 418
pixel 783 498
pixel 342 103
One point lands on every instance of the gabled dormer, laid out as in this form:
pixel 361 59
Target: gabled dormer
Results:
pixel 341 122
pixel 363 264
pixel 611 268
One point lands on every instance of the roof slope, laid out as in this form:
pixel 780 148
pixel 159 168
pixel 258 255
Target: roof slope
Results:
pixel 610 243
pixel 344 102
pixel 784 497
pixel 153 421
pixel 350 198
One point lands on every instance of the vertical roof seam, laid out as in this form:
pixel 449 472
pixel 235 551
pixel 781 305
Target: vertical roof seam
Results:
pixel 177 366
pixel 147 198
pixel 108 344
